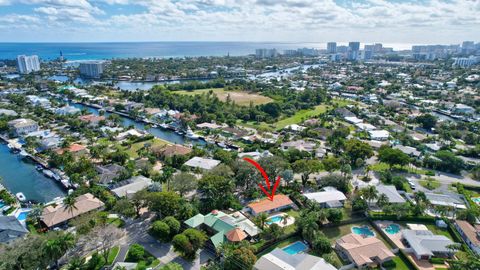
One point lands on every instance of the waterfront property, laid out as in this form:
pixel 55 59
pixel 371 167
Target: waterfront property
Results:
pixel 224 227
pixel 56 215
pixel 363 252
pixel 22 126
pixel 280 202
pixel 11 229
pixel 279 259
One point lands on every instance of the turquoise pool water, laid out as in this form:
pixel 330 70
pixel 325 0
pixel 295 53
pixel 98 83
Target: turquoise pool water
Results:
pixel 22 216
pixel 365 231
pixel 2 204
pixel 476 200
pixel 274 219
pixel 295 248
pixel 392 229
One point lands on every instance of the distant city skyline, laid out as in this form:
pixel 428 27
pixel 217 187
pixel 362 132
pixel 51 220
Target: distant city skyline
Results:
pixel 368 21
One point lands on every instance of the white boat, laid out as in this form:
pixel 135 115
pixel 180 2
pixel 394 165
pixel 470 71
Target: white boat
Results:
pixel 48 173
pixel 191 135
pixel 23 153
pixel 163 125
pixel 21 197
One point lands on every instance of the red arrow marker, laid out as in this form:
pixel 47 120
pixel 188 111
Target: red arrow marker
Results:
pixel 265 176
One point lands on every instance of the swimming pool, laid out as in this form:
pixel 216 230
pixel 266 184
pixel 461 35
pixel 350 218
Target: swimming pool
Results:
pixel 274 219
pixel 22 216
pixel 295 248
pixel 476 200
pixel 2 204
pixel 364 231
pixel 392 228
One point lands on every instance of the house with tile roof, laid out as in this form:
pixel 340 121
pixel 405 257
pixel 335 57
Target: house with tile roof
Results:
pixel 279 202
pixel 223 227
pixel 56 215
pixel 363 252
pixel 470 234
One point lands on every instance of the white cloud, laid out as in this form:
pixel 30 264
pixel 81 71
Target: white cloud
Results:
pixel 292 20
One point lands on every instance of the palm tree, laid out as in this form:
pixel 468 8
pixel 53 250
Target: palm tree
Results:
pixel 369 193
pixel 262 220
pixel 69 203
pixel 285 218
pixel 382 200
pixel 57 247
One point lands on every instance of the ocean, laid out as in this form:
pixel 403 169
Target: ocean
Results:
pixel 100 51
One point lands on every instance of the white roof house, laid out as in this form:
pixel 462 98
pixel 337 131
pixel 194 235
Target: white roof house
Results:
pixel 328 198
pixel 411 151
pixel 132 186
pixel 278 259
pixel 391 193
pixel 425 244
pixel 380 135
pixel 202 163
pixel 445 200
pixel 365 126
pixel 353 119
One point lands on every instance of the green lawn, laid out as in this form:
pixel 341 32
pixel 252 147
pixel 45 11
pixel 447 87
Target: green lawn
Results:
pixel 112 254
pixel 132 151
pixel 240 98
pixel 381 167
pixel 430 183
pixel 399 264
pixel 301 116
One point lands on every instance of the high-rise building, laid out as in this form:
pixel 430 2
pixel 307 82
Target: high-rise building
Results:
pixel 353 48
pixel 92 69
pixel 331 47
pixel 266 53
pixel 466 62
pixel 27 64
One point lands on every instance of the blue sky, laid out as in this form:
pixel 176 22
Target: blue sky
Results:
pixel 396 21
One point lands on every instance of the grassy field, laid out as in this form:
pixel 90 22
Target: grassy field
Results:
pixel 240 98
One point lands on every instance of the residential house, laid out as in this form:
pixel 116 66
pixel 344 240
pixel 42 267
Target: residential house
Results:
pixel 279 202
pixel 202 163
pixel 49 143
pixel 470 234
pixel 131 186
pixel 255 155
pixel 22 126
pixel 455 201
pixel 166 151
pixel 129 133
pixel 363 252
pixel 109 173
pixel 330 197
pixel 91 119
pixel 75 149
pixel 278 259
pixel 411 151
pixel 391 192
pixel 11 229
pixel 67 110
pixel 8 112
pixel 223 227
pixel 57 214
pixel 300 145
pixel 424 244
pixel 379 135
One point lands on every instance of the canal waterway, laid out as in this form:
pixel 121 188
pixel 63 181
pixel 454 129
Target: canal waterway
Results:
pixel 160 133
pixel 20 175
